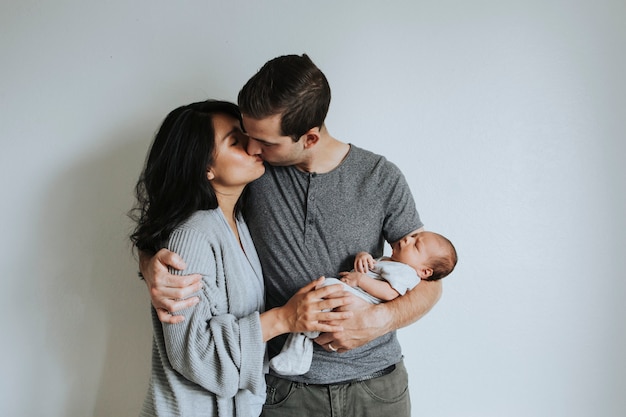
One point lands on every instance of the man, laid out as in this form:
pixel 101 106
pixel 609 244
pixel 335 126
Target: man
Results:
pixel 320 202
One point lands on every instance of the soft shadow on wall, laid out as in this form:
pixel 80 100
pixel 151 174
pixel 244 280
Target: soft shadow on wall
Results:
pixel 98 330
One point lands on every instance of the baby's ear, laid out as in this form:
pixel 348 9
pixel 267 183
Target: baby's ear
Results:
pixel 426 273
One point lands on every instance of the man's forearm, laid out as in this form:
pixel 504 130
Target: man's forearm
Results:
pixel 410 307
pixel 372 321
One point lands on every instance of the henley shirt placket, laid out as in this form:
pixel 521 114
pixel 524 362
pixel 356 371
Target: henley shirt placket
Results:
pixel 309 217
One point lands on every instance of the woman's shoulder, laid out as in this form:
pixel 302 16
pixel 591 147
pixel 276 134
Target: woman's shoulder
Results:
pixel 201 231
pixel 202 221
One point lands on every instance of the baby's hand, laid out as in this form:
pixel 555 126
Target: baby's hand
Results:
pixel 363 262
pixel 351 278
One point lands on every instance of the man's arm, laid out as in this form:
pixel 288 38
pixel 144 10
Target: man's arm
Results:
pixel 372 321
pixel 168 292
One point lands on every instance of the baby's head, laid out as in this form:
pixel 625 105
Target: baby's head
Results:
pixel 431 255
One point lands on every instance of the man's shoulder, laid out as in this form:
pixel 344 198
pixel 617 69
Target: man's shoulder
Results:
pixel 371 162
pixel 361 153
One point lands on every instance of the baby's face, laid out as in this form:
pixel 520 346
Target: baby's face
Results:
pixel 415 250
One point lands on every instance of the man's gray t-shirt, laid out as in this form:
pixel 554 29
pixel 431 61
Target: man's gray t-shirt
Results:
pixel 305 225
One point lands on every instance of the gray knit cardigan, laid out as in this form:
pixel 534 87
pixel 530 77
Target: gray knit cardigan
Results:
pixel 212 364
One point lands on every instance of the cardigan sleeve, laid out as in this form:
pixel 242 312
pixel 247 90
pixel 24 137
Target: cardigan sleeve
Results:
pixel 212 348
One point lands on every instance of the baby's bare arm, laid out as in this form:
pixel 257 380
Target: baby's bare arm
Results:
pixel 378 288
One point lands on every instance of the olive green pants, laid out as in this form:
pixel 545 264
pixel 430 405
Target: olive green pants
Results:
pixel 386 396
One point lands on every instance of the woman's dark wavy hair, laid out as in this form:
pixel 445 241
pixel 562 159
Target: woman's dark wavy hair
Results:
pixel 173 184
pixel 290 85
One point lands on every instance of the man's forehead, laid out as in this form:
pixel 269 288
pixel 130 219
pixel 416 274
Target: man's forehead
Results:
pixel 266 129
pixel 269 120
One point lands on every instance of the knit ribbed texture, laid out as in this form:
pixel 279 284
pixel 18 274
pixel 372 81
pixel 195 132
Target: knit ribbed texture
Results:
pixel 211 364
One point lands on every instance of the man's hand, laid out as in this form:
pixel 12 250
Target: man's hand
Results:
pixel 312 309
pixel 364 326
pixel 374 320
pixel 169 292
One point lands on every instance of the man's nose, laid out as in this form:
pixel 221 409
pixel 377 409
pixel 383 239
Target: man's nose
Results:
pixel 253 147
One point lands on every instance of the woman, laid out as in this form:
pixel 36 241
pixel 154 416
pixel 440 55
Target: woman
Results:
pixel 189 198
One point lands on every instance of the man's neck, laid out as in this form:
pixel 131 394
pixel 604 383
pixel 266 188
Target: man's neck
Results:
pixel 325 155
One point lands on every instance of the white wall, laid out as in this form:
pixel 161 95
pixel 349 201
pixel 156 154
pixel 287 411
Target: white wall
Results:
pixel 506 117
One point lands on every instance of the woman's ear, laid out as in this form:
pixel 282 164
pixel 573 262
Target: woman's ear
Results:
pixel 209 174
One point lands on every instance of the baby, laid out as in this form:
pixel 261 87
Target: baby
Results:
pixel 420 256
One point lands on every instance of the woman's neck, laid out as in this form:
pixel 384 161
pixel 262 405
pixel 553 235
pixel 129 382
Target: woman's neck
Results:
pixel 227 203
